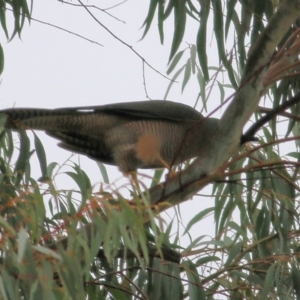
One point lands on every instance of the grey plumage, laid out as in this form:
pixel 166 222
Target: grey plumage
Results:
pixel 144 134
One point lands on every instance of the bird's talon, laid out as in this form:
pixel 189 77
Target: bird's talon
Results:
pixel 170 174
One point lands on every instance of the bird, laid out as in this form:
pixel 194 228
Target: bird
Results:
pixel 130 135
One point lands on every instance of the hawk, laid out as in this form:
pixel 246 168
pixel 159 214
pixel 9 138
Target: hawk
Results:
pixel 132 135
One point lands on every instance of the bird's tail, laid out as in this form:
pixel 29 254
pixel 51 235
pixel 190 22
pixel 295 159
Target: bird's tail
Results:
pixel 34 118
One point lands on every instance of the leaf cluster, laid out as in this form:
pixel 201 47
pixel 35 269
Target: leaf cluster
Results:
pixel 247 18
pixel 21 12
pixel 75 244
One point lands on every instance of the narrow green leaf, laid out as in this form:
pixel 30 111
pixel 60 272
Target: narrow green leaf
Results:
pixel 176 286
pixel 156 177
pixel 40 151
pixel 201 37
pixel 116 291
pixel 51 168
pixel 7 226
pixel 198 218
pixel 70 273
pixel 187 74
pixel 168 10
pixel 236 249
pixel 25 10
pixel 238 229
pixel 207 259
pixel 195 288
pixel 8 286
pixel 22 244
pixel 46 251
pixel 219 206
pixel 23 158
pixel 3 17
pixel 193 51
pixel 150 15
pixel 222 92
pixel 296 279
pixel 219 33
pixel 82 180
pixel 269 281
pixel 161 7
pixel 201 81
pixel 218 28
pixel 230 11
pixel 294 155
pixel 179 26
pixel 195 242
pixel 175 61
pixel 103 172
pixel 1 59
pixel 263 223
pixel 9 150
pixel 171 82
pixel 16 13
pixel 227 212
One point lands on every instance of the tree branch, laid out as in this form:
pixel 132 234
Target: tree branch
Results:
pixel 248 136
pixel 224 143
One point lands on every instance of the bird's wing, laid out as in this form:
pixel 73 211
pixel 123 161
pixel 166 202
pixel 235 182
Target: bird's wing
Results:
pixel 130 135
pixel 156 109
pixel 83 144
pixel 141 110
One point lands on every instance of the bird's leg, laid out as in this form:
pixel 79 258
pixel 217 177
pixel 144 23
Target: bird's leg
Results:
pixel 134 181
pixel 172 173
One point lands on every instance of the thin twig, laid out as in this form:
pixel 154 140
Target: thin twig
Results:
pixel 62 29
pixel 104 10
pixel 122 42
pixel 268 116
pixel 261 109
pixel 113 6
pixel 144 81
